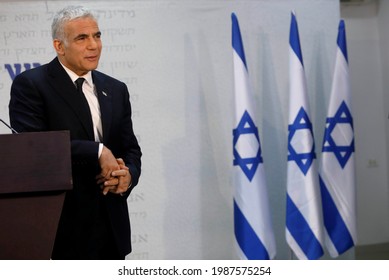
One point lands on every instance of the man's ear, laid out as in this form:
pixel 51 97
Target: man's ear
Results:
pixel 58 46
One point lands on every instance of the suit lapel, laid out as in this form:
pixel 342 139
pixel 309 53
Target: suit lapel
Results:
pixel 104 95
pixel 64 86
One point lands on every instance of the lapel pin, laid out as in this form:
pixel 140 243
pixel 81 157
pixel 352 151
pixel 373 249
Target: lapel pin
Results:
pixel 104 93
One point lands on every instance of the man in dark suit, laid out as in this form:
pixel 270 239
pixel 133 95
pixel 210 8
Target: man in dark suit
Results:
pixel 106 157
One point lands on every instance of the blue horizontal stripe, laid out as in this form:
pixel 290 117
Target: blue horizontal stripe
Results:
pixel 334 223
pixel 248 241
pixel 301 231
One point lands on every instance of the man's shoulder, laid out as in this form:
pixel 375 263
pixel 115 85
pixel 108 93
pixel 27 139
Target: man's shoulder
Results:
pixel 35 72
pixel 106 78
pixel 101 78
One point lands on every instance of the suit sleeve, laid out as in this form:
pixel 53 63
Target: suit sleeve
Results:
pixel 129 143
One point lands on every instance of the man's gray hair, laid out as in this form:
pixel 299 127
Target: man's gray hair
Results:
pixel 65 15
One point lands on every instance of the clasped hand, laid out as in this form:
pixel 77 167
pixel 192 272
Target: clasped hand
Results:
pixel 115 176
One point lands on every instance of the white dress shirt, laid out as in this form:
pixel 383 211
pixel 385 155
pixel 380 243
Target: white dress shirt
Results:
pixel 90 93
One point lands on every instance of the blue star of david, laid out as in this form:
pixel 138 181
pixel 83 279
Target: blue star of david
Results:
pixel 342 153
pixel 303 160
pixel 248 165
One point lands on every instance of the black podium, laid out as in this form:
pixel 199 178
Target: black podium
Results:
pixel 35 172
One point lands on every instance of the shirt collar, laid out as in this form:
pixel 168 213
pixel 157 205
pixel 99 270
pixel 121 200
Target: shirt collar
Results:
pixel 73 76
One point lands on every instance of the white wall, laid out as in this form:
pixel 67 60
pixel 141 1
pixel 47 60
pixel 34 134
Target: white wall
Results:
pixel 176 59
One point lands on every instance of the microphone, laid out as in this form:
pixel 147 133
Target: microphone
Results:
pixel 7 125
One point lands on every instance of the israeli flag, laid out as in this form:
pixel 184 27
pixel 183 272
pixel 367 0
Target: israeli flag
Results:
pixel 303 207
pixel 252 221
pixel 337 169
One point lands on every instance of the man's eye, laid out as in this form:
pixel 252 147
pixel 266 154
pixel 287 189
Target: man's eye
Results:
pixel 80 38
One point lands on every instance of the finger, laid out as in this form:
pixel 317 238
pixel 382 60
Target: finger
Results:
pixel 121 189
pixel 100 181
pixel 122 164
pixel 118 173
pixel 106 175
pixel 111 182
pixel 109 189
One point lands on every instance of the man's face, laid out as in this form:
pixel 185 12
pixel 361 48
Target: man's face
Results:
pixel 81 51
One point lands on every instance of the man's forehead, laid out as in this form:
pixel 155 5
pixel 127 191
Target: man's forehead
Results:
pixel 81 25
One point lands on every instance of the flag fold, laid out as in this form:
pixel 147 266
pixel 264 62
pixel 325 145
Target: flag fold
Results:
pixel 337 167
pixel 252 222
pixel 303 208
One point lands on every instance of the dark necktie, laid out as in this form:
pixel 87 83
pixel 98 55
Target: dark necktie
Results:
pixel 79 82
pixel 87 113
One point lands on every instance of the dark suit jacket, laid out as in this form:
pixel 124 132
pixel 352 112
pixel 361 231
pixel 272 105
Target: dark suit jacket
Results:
pixel 45 99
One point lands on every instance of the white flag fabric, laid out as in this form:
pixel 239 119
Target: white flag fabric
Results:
pixel 303 207
pixel 337 169
pixel 252 222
